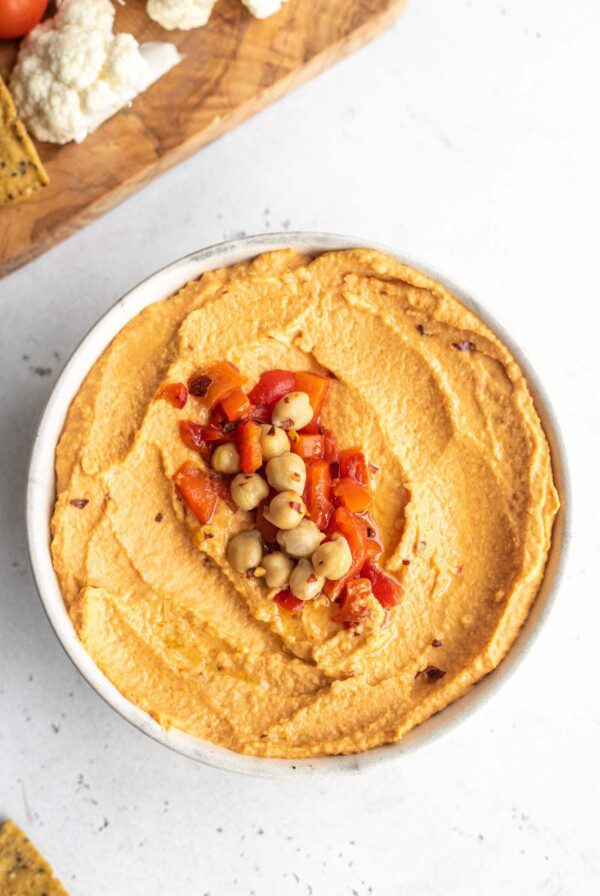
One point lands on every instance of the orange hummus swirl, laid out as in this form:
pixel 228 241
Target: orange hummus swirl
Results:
pixel 465 504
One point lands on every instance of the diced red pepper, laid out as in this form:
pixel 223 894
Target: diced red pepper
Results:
pixel 316 387
pixel 222 486
pixel 309 446
pixel 317 493
pixel 354 530
pixel 236 405
pixel 268 532
pixel 354 609
pixel 354 465
pixel 387 591
pixel 247 440
pixel 272 385
pixel 197 489
pixel 175 393
pixel 352 494
pixel 213 384
pixel 202 438
pixel 287 600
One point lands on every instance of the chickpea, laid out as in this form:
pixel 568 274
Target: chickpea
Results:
pixel 301 541
pixel 278 569
pixel 332 559
pixel 273 441
pixel 305 584
pixel 293 411
pixel 287 472
pixel 248 490
pixel 244 551
pixel 286 510
pixel 225 459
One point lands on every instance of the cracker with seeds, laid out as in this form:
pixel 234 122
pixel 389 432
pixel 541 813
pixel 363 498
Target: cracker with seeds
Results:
pixel 21 172
pixel 23 871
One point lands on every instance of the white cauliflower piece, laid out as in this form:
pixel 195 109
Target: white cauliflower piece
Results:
pixel 73 73
pixel 184 14
pixel 262 9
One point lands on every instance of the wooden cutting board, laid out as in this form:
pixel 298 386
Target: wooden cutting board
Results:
pixel 233 67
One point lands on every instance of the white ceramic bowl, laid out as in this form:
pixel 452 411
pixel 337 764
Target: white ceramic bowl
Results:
pixel 41 496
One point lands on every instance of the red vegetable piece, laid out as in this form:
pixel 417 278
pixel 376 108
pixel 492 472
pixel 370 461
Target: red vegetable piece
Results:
pixel 175 393
pixel 202 438
pixel 236 405
pixel 268 532
pixel 354 465
pixel 287 600
pixel 354 609
pixel 213 384
pixel 354 530
pixel 317 493
pixel 316 387
pixel 198 491
pixel 352 494
pixel 272 385
pixel 309 446
pixel 247 440
pixel 387 591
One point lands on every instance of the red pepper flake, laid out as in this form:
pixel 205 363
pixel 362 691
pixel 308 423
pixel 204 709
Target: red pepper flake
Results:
pixel 158 518
pixel 406 563
pixel 295 505
pixel 459 570
pixel 464 346
pixel 80 503
pixel 271 432
pixel 436 643
pixel 371 533
pixel 311 578
pixel 433 673
pixel 287 424
pixel 335 470
pixel 199 385
pixel 373 469
pixel 421 545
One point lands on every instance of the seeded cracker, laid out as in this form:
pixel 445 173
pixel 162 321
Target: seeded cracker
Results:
pixel 23 871
pixel 21 172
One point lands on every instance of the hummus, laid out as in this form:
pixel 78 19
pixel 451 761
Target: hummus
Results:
pixel 464 502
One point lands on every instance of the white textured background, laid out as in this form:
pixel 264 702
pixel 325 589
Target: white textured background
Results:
pixel 469 136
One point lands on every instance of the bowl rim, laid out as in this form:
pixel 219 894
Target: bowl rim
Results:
pixel 40 495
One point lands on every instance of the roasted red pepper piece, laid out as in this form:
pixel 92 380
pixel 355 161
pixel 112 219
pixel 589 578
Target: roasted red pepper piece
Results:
pixel 354 609
pixel 214 383
pixel 317 493
pixel 268 532
pixel 316 387
pixel 236 405
pixel 352 494
pixel 287 600
pixel 354 465
pixel 354 530
pixel 387 591
pixel 272 385
pixel 197 489
pixel 247 440
pixel 202 438
pixel 175 393
pixel 309 446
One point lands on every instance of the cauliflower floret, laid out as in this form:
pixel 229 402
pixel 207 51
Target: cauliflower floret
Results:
pixel 74 55
pixel 262 9
pixel 73 73
pixel 94 14
pixel 184 14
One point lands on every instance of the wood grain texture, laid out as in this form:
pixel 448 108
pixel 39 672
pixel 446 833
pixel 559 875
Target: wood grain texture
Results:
pixel 233 67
